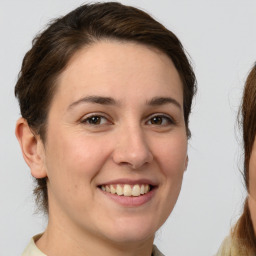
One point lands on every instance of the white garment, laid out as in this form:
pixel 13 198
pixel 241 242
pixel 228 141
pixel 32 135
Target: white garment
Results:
pixel 32 249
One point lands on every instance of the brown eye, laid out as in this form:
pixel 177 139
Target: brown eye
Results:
pixel 157 120
pixel 95 120
pixel 160 120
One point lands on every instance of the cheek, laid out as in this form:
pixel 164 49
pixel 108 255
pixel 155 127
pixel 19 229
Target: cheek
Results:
pixel 173 155
pixel 252 173
pixel 173 164
pixel 73 161
pixel 172 160
pixel 77 153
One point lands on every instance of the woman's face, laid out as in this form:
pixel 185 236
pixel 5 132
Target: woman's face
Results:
pixel 115 130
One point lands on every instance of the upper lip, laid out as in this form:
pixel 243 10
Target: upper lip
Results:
pixel 130 182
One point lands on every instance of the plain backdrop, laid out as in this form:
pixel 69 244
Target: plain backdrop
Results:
pixel 220 37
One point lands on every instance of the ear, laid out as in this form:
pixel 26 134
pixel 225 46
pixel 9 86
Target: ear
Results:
pixel 186 163
pixel 32 148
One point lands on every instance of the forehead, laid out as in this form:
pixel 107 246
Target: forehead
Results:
pixel 119 68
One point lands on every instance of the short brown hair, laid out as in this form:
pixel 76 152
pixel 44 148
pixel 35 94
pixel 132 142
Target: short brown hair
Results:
pixel 53 48
pixel 243 230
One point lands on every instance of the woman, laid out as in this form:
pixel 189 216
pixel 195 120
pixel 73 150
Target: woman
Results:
pixel 105 95
pixel 242 240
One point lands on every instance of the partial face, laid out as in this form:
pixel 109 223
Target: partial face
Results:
pixel 252 172
pixel 116 145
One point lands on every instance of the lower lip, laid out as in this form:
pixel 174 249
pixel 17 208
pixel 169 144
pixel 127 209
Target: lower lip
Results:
pixel 131 201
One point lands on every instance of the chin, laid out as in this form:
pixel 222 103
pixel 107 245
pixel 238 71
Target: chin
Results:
pixel 131 237
pixel 131 231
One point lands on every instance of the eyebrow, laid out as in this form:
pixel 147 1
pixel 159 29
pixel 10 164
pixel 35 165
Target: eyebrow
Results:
pixel 94 99
pixel 158 101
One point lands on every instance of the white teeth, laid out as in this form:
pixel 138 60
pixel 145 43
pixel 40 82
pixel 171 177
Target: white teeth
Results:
pixel 112 189
pixel 142 189
pixel 126 189
pixel 136 190
pixel 119 190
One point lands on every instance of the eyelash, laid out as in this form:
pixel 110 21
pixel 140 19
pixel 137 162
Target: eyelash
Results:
pixel 96 119
pixel 168 120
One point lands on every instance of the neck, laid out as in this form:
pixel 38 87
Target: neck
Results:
pixel 60 241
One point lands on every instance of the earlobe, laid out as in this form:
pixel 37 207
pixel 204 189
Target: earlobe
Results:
pixel 32 148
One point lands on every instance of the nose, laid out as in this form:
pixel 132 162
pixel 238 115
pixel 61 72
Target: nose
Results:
pixel 132 149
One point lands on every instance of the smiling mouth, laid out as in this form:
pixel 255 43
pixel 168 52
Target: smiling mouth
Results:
pixel 127 189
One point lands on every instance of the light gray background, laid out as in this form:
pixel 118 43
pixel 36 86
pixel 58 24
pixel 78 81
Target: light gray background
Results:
pixel 220 36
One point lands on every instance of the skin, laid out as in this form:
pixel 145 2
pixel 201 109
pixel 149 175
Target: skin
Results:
pixel 126 142
pixel 252 184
